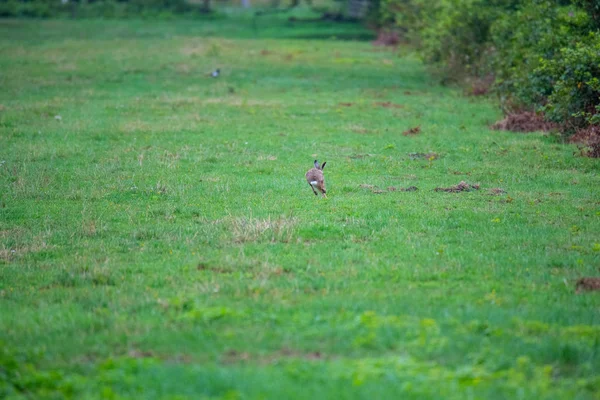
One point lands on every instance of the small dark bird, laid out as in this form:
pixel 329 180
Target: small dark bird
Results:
pixel 316 179
pixel 216 73
pixel 587 285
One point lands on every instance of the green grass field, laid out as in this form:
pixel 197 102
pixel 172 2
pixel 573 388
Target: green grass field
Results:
pixel 158 239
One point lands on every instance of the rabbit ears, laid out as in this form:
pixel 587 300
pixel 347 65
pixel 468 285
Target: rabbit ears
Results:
pixel 320 167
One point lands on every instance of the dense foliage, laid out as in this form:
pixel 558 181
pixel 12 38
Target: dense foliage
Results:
pixel 544 54
pixel 97 8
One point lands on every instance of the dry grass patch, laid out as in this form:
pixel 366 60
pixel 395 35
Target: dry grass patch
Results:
pixel 247 229
pixel 589 141
pixel 8 254
pixel 412 131
pixel 388 104
pixel 193 50
pixel 497 191
pixel 461 187
pixel 360 129
pixel 236 357
pixel 183 68
pixel 265 158
pixel 524 122
pixel 16 232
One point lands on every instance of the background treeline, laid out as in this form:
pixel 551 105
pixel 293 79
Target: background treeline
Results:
pixel 101 8
pixel 537 55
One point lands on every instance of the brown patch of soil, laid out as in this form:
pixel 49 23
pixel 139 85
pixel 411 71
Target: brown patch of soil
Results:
pixel 453 172
pixel 497 191
pixel 406 189
pixel 372 188
pixel 388 104
pixel 409 189
pixel 265 52
pixel 377 190
pixel 589 139
pixel 412 131
pixel 461 187
pixel 288 353
pixel 345 104
pixel 427 156
pixel 387 38
pixel 525 121
pixel 587 285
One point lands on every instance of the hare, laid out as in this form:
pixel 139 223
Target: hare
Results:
pixel 316 180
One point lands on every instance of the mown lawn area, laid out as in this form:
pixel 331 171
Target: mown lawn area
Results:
pixel 158 239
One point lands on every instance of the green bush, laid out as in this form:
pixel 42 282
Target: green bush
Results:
pixel 522 39
pixel 544 54
pixel 406 16
pixel 592 7
pixel 458 37
pixel 453 35
pixel 95 8
pixel 30 9
pixel 575 75
pixel 548 64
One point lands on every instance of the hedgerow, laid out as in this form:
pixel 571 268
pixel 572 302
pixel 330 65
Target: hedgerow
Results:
pixel 544 55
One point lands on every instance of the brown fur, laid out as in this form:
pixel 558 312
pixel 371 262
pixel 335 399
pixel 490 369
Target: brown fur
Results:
pixel 587 285
pixel 316 174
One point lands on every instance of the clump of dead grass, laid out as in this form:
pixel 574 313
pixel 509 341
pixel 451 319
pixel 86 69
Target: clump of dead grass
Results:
pixel 588 284
pixel 247 229
pixel 497 191
pixel 388 104
pixel 412 131
pixel 406 189
pixel 588 140
pixel 461 187
pixel 525 121
pixel 237 357
pixel 426 156
pixel 377 190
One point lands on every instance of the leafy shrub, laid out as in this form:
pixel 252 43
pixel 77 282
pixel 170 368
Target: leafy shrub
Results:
pixel 522 40
pixel 592 7
pixel 575 74
pixel 406 16
pixel 453 35
pixel 458 37
pixel 548 64
pixel 96 8
pixel 32 9
pixel 544 54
